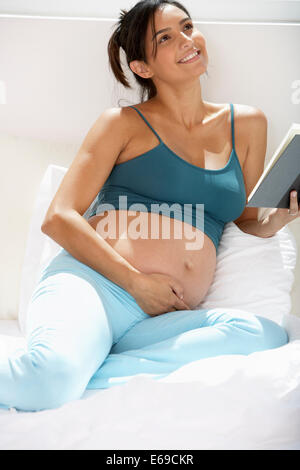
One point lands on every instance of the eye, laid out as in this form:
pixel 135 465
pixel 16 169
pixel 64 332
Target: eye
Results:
pixel 161 40
pixel 190 24
pixel 166 35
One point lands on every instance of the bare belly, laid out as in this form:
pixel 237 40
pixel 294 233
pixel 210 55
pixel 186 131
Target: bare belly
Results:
pixel 160 244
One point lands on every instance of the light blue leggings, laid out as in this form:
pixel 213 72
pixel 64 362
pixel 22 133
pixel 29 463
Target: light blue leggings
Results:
pixel 84 331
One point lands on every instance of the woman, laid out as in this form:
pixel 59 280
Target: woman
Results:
pixel 113 304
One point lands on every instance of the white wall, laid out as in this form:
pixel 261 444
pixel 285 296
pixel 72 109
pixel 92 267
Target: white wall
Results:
pixel 201 10
pixel 57 81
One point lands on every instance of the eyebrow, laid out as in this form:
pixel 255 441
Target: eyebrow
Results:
pixel 167 29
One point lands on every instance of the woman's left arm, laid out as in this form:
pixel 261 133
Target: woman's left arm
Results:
pixel 253 168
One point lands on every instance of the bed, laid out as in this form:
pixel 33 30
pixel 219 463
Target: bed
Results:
pixel 226 402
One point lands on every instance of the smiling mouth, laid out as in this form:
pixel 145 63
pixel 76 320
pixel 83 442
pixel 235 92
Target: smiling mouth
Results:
pixel 195 56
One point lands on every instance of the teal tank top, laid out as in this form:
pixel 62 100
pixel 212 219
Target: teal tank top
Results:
pixel 160 181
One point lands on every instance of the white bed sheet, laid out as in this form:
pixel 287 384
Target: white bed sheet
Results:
pixel 226 402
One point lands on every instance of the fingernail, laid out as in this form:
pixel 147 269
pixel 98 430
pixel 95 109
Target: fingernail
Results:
pixel 294 193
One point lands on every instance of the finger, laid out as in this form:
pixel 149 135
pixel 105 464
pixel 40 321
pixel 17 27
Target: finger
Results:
pixel 293 210
pixel 181 305
pixel 187 307
pixel 180 296
pixel 177 291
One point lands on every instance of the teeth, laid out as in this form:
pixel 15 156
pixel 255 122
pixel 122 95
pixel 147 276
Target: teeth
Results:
pixel 189 57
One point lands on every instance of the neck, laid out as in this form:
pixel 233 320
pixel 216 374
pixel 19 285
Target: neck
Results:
pixel 183 107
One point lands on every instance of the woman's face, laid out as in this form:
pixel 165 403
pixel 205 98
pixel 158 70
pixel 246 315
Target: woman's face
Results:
pixel 180 39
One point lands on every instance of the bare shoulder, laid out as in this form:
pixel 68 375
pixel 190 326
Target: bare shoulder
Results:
pixel 254 125
pixel 114 116
pixel 126 115
pixel 249 116
pixel 109 118
pixel 250 125
pixel 246 117
pixel 115 120
pixel 130 120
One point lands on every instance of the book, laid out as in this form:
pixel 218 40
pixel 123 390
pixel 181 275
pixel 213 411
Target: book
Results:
pixel 281 175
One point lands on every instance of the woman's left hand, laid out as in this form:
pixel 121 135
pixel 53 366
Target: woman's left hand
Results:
pixel 280 217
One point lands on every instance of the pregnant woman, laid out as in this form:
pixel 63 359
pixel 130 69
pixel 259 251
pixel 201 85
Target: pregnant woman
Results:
pixel 139 216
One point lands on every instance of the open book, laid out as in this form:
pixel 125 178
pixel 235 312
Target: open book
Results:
pixel 281 175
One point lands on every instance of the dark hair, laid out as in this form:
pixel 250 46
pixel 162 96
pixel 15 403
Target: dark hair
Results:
pixel 130 36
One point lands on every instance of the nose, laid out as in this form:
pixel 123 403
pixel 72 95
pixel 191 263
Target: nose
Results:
pixel 186 42
pixel 186 38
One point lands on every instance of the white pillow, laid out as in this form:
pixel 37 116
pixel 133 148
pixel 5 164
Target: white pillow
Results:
pixel 40 248
pixel 254 274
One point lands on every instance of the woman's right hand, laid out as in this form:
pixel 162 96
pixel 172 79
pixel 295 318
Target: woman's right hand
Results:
pixel 158 293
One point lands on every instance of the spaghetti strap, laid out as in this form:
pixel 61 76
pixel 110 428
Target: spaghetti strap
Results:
pixel 147 123
pixel 232 126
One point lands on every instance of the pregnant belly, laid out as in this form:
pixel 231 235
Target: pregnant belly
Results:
pixel 155 243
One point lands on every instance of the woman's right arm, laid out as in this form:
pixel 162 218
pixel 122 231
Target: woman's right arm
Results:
pixel 156 293
pixel 89 170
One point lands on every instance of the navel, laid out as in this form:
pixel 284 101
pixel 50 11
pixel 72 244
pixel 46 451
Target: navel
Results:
pixel 188 264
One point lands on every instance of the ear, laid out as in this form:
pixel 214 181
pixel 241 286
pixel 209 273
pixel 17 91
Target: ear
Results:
pixel 140 68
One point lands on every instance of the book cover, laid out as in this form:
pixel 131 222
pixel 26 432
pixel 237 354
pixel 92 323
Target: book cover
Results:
pixel 281 175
